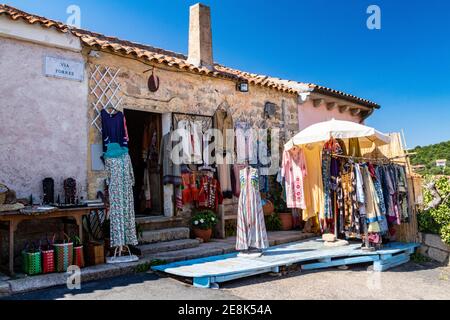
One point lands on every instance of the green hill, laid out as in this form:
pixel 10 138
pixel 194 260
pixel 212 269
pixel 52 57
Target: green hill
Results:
pixel 428 155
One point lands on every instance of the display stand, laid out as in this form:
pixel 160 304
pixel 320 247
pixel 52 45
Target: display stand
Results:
pixel 121 259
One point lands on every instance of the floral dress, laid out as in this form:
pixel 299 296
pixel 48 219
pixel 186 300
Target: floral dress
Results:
pixel 251 228
pixel 121 212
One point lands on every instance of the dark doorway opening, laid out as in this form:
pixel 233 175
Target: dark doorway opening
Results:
pixel 145 133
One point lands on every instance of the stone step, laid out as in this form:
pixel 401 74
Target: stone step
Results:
pixel 164 235
pixel 169 246
pixel 159 222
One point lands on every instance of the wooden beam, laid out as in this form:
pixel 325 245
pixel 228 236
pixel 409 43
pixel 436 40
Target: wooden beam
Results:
pixel 355 111
pixel 344 108
pixel 331 106
pixel 318 102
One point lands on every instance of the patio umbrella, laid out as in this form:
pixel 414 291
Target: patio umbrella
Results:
pixel 338 129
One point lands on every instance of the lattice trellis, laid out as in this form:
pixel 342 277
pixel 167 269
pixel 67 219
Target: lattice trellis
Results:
pixel 104 90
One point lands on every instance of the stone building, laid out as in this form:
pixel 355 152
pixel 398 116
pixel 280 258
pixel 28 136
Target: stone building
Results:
pixel 50 125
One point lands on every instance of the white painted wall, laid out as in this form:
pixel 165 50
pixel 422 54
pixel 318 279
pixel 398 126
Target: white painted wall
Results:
pixel 43 120
pixel 35 33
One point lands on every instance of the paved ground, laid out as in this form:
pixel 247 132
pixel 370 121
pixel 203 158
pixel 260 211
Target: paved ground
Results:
pixel 411 281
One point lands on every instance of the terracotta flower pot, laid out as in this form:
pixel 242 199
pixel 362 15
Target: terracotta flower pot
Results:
pixel 286 221
pixel 205 235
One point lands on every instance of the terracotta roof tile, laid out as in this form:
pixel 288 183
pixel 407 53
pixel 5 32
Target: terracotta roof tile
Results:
pixel 176 60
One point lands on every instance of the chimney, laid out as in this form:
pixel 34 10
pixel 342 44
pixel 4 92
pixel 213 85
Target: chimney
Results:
pixel 200 36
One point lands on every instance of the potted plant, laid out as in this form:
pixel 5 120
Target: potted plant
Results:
pixel 203 222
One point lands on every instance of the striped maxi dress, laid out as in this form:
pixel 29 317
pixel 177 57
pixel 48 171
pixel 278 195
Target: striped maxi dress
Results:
pixel 251 228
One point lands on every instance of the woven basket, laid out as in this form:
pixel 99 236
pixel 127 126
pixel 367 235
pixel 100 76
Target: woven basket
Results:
pixel 48 261
pixel 78 256
pixel 63 255
pixel 48 257
pixel 3 192
pixel 31 261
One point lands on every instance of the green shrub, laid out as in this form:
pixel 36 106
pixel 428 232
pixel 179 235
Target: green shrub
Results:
pixel 273 222
pixel 437 220
pixel 427 224
pixel 445 234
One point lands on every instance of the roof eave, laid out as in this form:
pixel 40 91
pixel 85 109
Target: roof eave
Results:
pixel 346 97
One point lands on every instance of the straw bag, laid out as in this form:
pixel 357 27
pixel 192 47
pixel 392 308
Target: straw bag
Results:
pixel 3 192
pixel 63 254
pixel 268 207
pixel 31 260
pixel 48 257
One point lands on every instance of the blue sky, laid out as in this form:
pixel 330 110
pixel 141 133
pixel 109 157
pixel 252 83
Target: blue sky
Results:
pixel 405 66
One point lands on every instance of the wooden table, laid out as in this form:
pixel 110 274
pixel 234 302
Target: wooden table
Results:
pixel 14 218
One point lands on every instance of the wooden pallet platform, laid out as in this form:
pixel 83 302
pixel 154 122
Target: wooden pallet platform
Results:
pixel 309 254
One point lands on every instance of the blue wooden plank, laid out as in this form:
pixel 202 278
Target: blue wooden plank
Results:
pixel 339 262
pixel 204 282
pixel 193 261
pixel 395 261
pixel 241 275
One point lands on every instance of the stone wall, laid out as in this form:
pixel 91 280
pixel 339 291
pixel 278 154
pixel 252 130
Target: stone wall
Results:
pixel 434 248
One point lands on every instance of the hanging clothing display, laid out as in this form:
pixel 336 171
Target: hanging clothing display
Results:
pixel 294 171
pixel 120 189
pixel 251 228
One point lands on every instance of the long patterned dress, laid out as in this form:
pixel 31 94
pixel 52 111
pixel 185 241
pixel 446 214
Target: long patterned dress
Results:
pixel 251 228
pixel 121 215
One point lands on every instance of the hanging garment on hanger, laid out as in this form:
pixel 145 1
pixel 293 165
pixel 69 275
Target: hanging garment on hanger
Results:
pixel 224 174
pixel 251 228
pixel 114 129
pixel 352 218
pixel 313 183
pixel 191 134
pixel 121 199
pixel 403 197
pixel 223 121
pixel 329 184
pixel 294 171
pixel 171 171
pixel 373 214
pixel 354 150
pixel 382 204
pixel 210 194
pixel 246 143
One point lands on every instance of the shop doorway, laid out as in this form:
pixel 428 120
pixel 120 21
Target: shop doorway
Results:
pixel 145 133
